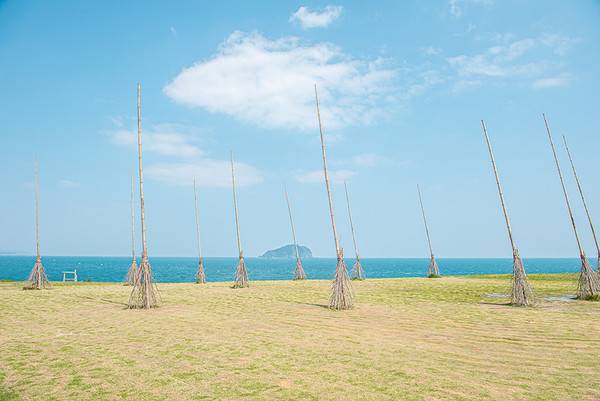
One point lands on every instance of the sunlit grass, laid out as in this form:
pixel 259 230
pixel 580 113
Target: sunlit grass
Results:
pixel 407 338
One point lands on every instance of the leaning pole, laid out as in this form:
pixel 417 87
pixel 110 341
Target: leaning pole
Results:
pixel 341 293
pixel 589 283
pixel 521 294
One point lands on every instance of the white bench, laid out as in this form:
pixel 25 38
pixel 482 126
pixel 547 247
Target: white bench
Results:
pixel 72 278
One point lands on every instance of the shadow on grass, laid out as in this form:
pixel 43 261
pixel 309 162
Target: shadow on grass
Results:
pixel 8 395
pixel 104 300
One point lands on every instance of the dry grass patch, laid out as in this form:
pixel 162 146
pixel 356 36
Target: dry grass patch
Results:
pixel 409 338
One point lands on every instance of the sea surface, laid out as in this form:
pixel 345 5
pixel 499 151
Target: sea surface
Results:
pixel 183 269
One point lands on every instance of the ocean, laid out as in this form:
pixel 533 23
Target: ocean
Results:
pixel 183 269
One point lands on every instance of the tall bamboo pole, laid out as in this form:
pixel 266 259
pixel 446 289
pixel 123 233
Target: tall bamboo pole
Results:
pixel 335 237
pixel 357 272
pixel 144 249
pixel 341 294
pixel 37 278
pixel 37 216
pixel 299 272
pixel 432 271
pixel 132 272
pixel 510 236
pixel 583 200
pixel 241 275
pixel 521 294
pixel 589 282
pixel 200 277
pixel 237 224
pixel 144 293
pixel 132 221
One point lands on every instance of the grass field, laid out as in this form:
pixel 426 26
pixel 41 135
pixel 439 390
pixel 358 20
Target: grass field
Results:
pixel 407 339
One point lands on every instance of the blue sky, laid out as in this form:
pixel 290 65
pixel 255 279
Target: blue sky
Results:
pixel 403 87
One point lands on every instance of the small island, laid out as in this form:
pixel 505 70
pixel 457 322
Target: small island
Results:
pixel 288 251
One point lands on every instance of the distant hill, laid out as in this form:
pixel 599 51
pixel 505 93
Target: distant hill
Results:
pixel 288 251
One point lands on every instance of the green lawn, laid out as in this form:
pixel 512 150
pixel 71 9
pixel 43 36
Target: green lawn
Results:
pixel 408 338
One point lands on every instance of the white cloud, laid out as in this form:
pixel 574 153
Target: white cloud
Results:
pixel 366 159
pixel 68 183
pixel 173 31
pixel 454 10
pixel 166 139
pixel 429 51
pixel 317 176
pixel 560 80
pixel 559 43
pixel 206 172
pixel 528 58
pixel 271 84
pixel 456 6
pixel 309 19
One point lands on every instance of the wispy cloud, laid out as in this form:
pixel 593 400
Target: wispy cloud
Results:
pixel 529 58
pixel 317 176
pixel 559 43
pixel 165 139
pixel 559 80
pixel 271 84
pixel 173 31
pixel 186 161
pixel 429 51
pixel 68 183
pixel 206 172
pixel 457 6
pixel 308 19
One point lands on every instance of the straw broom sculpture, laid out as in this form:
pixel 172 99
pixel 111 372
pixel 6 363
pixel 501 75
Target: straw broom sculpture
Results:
pixel 130 278
pixel 521 294
pixel 584 204
pixel 241 275
pixel 299 272
pixel 432 271
pixel 357 272
pixel 341 293
pixel 588 286
pixel 200 277
pixel 37 278
pixel 144 293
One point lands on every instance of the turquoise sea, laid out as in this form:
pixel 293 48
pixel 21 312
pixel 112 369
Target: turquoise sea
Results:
pixel 183 269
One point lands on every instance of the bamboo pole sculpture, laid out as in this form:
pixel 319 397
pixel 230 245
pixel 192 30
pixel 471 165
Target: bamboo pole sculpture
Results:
pixel 341 294
pixel 357 272
pixel 521 294
pixel 299 272
pixel 200 277
pixel 584 204
pixel 589 282
pixel 37 278
pixel 432 271
pixel 144 293
pixel 241 275
pixel 133 269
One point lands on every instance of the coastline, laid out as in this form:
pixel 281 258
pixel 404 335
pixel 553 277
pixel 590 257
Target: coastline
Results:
pixel 220 269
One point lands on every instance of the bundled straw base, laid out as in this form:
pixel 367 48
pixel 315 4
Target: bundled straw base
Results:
pixel 37 279
pixel 200 277
pixel 144 294
pixel 433 270
pixel 521 294
pixel 357 272
pixel 589 281
pixel 241 275
pixel 341 292
pixel 131 274
pixel 299 272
